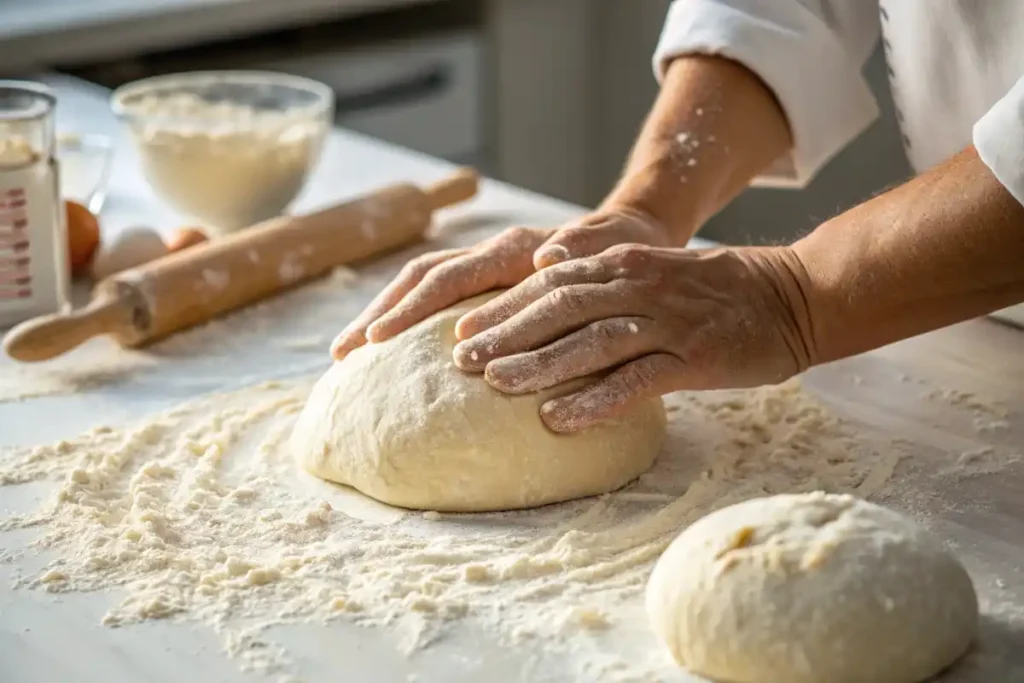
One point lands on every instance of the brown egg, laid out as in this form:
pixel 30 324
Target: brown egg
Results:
pixel 83 236
pixel 183 238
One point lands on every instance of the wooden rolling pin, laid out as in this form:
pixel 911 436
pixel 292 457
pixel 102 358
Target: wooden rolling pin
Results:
pixel 186 288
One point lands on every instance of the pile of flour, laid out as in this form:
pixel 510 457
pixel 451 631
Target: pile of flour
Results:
pixel 199 515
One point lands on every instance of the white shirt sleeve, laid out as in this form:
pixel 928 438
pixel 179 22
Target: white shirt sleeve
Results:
pixel 810 53
pixel 999 139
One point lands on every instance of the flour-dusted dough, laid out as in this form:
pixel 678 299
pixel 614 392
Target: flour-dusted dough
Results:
pixel 399 422
pixel 811 588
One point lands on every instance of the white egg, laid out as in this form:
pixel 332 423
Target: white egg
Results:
pixel 129 248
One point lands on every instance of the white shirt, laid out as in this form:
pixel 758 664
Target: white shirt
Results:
pixel 955 66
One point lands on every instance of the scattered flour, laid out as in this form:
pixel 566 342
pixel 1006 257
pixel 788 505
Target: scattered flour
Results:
pixel 311 343
pixel 100 364
pixel 987 416
pixel 979 406
pixel 198 515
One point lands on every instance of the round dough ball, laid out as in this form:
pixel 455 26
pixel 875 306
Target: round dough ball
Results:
pixel 401 423
pixel 810 588
pixel 131 247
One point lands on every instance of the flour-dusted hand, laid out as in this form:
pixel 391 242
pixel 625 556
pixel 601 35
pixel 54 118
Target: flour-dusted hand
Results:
pixel 437 280
pixel 658 319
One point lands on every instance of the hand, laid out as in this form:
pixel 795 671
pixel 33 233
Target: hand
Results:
pixel 441 279
pixel 653 320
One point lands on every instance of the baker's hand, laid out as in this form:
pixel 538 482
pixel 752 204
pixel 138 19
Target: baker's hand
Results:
pixel 437 280
pixel 657 319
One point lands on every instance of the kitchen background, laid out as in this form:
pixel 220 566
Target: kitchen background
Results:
pixel 545 94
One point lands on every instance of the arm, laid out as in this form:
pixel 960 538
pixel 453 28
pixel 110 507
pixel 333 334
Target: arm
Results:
pixel 809 53
pixel 751 89
pixel 713 128
pixel 945 247
pixel 746 84
pixel 732 128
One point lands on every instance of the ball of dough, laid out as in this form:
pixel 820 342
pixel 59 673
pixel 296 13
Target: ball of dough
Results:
pixel 131 247
pixel 810 588
pixel 401 423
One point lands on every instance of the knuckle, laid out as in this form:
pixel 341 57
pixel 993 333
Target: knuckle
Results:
pixel 637 377
pixel 420 266
pixel 550 278
pixel 606 333
pixel 437 278
pixel 633 380
pixel 572 235
pixel 629 255
pixel 565 299
pixel 519 236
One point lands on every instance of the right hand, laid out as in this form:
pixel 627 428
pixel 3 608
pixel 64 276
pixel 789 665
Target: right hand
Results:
pixel 435 281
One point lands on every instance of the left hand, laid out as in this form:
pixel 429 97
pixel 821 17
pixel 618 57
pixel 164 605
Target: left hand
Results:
pixel 658 319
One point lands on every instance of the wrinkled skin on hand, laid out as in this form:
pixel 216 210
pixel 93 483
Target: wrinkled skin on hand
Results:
pixel 654 319
pixel 604 295
pixel 437 280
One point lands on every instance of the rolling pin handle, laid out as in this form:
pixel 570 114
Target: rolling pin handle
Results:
pixel 49 336
pixel 458 187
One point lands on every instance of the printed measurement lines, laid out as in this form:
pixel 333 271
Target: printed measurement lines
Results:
pixel 15 256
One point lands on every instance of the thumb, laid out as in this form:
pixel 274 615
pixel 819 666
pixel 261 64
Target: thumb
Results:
pixel 573 243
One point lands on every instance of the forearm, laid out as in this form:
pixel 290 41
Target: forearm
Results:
pixel 945 247
pixel 713 128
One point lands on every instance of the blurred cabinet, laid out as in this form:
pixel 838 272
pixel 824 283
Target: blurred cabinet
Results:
pixel 423 93
pixel 411 76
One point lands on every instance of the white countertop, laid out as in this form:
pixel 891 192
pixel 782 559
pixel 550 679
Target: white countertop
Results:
pixel 47 32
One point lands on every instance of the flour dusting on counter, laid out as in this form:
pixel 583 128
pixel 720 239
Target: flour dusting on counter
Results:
pixel 299 320
pixel 199 515
pixel 100 364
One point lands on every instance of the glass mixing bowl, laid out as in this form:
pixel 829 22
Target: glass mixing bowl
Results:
pixel 227 148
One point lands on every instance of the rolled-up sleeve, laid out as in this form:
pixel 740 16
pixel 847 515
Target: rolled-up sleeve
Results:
pixel 999 140
pixel 810 53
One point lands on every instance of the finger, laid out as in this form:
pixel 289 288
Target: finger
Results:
pixel 598 346
pixel 553 316
pixel 529 291
pixel 575 242
pixel 501 263
pixel 354 334
pixel 615 395
pixel 578 241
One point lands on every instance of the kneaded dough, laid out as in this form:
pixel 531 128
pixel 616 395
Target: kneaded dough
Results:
pixel 811 588
pixel 401 423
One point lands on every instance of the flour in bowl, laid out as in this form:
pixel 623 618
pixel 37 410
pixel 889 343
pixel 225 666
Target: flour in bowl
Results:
pixel 227 164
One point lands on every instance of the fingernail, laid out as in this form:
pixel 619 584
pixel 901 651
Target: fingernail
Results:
pixel 343 343
pixel 515 377
pixel 460 327
pixel 502 379
pixel 339 351
pixel 553 253
pixel 553 414
pixel 373 332
pixel 466 356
